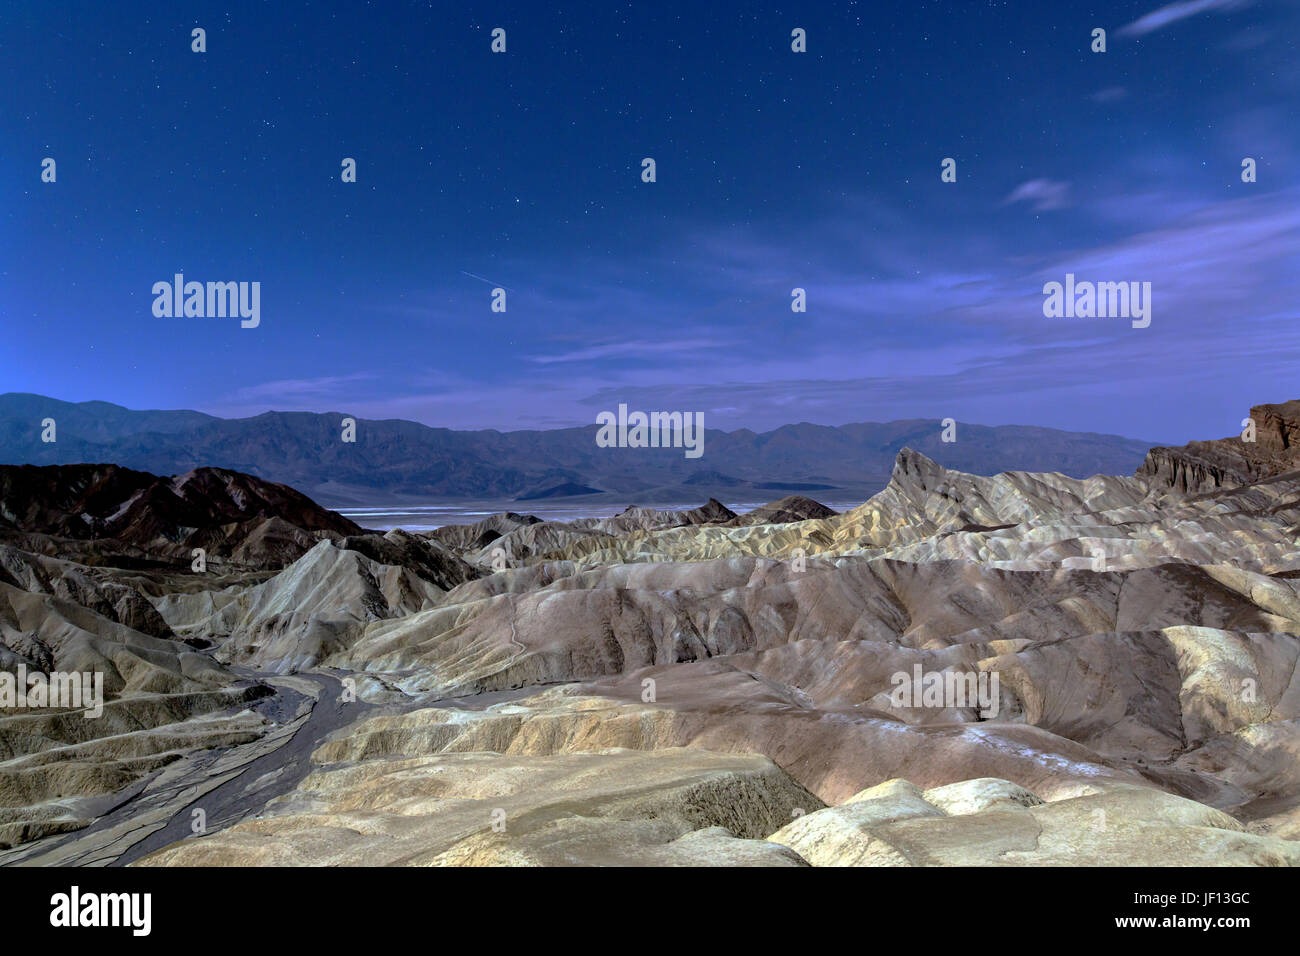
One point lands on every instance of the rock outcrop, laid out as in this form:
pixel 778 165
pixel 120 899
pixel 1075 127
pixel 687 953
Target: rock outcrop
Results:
pixel 237 517
pixel 1204 466
pixel 612 808
pixel 996 823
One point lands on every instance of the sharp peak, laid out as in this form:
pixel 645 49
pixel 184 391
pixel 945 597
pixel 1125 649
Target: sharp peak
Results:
pixel 910 457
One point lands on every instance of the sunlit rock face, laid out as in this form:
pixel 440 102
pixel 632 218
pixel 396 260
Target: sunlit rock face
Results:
pixel 1022 669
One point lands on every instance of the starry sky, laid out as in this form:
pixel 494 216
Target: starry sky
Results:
pixel 775 170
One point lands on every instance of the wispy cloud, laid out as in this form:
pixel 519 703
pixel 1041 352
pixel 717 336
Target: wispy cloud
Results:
pixel 617 349
pixel 1044 194
pixel 893 330
pixel 1173 12
pixel 290 389
pixel 1111 94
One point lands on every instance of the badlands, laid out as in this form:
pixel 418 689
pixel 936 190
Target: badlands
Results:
pixel 664 688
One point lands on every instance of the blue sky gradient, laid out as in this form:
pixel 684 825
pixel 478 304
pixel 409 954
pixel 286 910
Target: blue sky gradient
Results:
pixel 775 170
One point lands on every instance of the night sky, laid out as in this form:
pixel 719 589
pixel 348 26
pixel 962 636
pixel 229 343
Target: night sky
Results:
pixel 775 170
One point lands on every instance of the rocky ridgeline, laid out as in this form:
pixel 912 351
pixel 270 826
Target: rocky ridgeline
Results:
pixel 1202 466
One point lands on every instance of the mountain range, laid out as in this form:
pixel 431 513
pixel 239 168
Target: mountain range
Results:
pixel 394 461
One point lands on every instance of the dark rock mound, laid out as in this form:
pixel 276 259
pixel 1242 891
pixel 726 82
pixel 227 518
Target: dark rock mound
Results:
pixel 789 509
pixel 569 489
pixel 226 513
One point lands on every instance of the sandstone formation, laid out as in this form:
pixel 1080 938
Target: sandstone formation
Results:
pixel 995 823
pixel 1203 466
pixel 670 688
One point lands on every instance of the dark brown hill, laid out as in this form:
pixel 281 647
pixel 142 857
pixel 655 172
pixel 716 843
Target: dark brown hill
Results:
pixel 254 522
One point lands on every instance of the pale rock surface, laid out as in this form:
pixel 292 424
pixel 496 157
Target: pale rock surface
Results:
pixel 995 823
pixel 667 807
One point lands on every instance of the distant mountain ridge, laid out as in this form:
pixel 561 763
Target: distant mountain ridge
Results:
pixel 395 460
